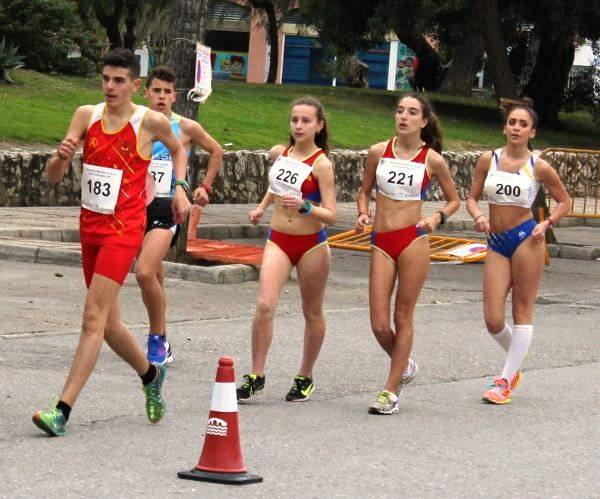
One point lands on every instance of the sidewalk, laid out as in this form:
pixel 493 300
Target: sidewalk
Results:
pixel 46 234
pixel 66 217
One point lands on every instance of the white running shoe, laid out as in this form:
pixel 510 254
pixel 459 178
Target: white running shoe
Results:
pixel 386 403
pixel 412 369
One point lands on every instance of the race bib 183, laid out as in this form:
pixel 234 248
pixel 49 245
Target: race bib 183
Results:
pixel 100 188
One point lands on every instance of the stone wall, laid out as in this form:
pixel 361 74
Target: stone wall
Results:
pixel 243 178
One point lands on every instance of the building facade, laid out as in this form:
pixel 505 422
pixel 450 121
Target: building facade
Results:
pixel 239 41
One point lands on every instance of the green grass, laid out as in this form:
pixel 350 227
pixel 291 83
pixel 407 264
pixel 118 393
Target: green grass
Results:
pixel 38 109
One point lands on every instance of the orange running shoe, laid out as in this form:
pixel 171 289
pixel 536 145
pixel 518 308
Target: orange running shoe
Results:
pixel 515 381
pixel 498 393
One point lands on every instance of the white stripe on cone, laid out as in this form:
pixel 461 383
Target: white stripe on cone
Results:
pixel 224 398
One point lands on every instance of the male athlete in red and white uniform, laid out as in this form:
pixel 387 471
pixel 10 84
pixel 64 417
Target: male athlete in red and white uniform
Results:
pixel 118 137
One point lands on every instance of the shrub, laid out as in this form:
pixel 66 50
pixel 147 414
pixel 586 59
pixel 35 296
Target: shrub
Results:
pixel 46 31
pixel 8 60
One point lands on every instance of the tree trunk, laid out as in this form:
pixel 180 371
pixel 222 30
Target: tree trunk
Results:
pixel 550 76
pixel 130 21
pixel 533 48
pixel 189 22
pixel 110 23
pixel 268 7
pixel 466 62
pixel 493 41
pixel 274 42
pixel 188 27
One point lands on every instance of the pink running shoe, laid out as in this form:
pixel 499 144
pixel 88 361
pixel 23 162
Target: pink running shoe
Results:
pixel 498 393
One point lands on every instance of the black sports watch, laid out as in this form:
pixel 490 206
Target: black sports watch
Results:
pixel 443 217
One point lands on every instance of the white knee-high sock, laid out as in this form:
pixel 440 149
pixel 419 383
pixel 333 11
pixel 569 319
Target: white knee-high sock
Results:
pixel 519 346
pixel 503 337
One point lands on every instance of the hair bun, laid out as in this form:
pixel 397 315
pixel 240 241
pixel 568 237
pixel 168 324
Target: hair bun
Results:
pixel 506 104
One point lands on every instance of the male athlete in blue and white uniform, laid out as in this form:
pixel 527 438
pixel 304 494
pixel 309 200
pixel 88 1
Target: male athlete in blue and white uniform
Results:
pixel 161 231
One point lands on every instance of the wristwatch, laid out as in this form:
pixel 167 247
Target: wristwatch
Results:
pixel 306 208
pixel 443 217
pixel 182 183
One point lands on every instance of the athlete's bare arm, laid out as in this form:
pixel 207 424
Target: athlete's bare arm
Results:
pixel 256 214
pixel 158 128
pixel 59 162
pixel 548 176
pixel 482 223
pixel 368 182
pixel 323 172
pixel 438 168
pixel 194 132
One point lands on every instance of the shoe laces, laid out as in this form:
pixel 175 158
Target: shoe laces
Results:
pixel 299 383
pixel 152 389
pixel 499 384
pixel 249 382
pixel 384 397
pixel 53 413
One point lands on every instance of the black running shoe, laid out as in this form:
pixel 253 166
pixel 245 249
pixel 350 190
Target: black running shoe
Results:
pixel 301 390
pixel 251 386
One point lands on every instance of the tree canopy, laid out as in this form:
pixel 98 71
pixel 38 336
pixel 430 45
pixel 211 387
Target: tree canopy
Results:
pixel 529 43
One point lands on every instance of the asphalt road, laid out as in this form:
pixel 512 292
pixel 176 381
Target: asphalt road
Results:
pixel 443 443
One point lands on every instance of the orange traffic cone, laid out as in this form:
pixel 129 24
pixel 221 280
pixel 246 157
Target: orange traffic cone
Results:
pixel 221 460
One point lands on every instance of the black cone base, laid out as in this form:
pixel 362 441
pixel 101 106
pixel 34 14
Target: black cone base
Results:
pixel 225 478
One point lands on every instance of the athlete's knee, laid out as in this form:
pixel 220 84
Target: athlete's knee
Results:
pixel 313 314
pixel 145 274
pixel 265 309
pixel 380 328
pixel 494 324
pixel 403 318
pixel 522 305
pixel 94 320
pixel 112 328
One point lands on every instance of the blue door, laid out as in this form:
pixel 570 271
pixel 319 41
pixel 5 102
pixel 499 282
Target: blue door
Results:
pixel 302 58
pixel 378 60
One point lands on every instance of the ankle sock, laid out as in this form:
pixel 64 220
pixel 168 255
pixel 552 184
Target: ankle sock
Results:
pixel 64 408
pixel 150 375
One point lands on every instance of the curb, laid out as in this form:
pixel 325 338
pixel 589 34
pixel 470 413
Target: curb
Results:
pixel 572 252
pixel 217 274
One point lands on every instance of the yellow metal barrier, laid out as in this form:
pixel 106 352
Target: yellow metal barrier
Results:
pixel 441 248
pixel 579 169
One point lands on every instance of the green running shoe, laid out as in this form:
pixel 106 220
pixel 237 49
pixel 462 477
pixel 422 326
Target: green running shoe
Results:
pixel 251 385
pixel 52 421
pixel 155 405
pixel 301 390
